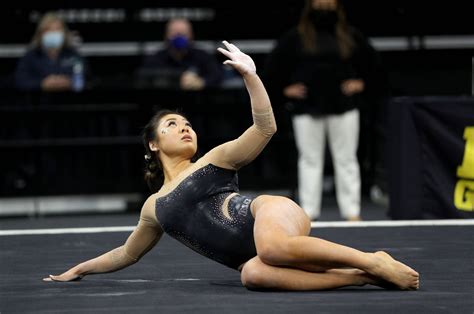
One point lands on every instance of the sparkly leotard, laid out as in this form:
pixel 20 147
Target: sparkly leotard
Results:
pixel 191 207
pixel 192 213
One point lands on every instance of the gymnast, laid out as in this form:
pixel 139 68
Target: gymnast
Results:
pixel 266 238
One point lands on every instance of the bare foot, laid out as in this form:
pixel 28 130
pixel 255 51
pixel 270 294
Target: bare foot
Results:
pixel 379 282
pixel 365 278
pixel 392 271
pixel 384 254
pixel 386 284
pixel 360 275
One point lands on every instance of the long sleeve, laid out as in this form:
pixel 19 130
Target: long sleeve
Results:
pixel 147 233
pixel 145 236
pixel 279 65
pixel 369 65
pixel 25 76
pixel 249 145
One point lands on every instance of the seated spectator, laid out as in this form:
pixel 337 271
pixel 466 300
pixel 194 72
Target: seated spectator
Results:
pixel 180 65
pixel 51 63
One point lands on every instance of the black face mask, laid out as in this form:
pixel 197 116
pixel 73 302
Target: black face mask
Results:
pixel 323 19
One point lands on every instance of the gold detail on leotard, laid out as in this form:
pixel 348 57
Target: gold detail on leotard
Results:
pixel 225 206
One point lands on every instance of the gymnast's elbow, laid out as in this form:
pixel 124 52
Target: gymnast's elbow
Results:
pixel 267 131
pixel 273 129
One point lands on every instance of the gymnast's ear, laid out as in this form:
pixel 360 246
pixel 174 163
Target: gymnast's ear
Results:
pixel 153 146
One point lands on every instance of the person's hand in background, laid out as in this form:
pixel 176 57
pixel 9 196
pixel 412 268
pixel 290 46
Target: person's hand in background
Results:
pixel 296 91
pixel 56 83
pixel 190 80
pixel 352 86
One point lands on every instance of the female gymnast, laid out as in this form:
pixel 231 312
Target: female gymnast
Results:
pixel 266 238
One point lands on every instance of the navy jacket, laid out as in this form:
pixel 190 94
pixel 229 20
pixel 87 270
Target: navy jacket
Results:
pixel 163 66
pixel 35 65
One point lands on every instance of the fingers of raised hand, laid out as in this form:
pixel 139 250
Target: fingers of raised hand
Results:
pixel 226 53
pixel 230 47
pixel 232 51
pixel 229 62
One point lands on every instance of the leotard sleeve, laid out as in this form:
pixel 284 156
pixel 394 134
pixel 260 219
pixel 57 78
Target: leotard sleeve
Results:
pixel 249 145
pixel 147 233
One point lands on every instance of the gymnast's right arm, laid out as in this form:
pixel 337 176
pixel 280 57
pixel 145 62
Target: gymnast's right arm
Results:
pixel 143 238
pixel 241 151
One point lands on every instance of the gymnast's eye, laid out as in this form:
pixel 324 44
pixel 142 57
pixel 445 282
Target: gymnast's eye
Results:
pixel 189 124
pixel 172 123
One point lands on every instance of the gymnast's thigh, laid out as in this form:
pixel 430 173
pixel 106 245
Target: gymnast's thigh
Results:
pixel 278 216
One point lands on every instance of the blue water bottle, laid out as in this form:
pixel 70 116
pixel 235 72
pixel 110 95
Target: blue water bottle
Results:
pixel 78 77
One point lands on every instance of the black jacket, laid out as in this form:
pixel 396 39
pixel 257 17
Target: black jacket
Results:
pixel 166 70
pixel 322 72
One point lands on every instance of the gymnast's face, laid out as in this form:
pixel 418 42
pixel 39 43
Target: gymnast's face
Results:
pixel 175 137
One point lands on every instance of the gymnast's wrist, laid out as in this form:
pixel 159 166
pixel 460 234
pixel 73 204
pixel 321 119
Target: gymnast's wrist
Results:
pixel 250 74
pixel 82 269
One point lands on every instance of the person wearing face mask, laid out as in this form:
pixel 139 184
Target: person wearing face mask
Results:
pixel 52 60
pixel 321 70
pixel 181 65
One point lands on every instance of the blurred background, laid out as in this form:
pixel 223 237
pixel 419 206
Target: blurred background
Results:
pixel 72 151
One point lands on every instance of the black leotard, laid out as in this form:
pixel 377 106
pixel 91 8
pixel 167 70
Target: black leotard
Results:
pixel 192 214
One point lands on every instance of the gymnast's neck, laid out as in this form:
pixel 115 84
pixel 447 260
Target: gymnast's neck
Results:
pixel 173 166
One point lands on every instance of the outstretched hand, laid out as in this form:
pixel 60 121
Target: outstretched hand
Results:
pixel 238 60
pixel 67 276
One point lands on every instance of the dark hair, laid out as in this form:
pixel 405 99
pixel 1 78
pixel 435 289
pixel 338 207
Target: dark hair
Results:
pixel 308 33
pixel 153 167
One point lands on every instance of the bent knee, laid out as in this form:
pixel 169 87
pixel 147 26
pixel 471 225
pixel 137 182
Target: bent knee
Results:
pixel 252 275
pixel 276 253
pixel 285 252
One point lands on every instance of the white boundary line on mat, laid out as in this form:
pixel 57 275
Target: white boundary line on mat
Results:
pixel 392 223
pixel 328 224
pixel 66 230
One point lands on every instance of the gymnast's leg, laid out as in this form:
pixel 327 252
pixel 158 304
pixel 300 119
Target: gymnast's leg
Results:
pixel 258 275
pixel 281 237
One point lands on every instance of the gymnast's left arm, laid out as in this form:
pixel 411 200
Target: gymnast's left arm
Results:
pixel 249 145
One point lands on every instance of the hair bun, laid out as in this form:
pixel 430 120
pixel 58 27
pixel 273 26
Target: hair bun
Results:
pixel 152 166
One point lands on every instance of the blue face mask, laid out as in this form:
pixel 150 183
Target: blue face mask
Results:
pixel 179 42
pixel 52 40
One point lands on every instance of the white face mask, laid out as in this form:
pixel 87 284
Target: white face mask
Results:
pixel 53 39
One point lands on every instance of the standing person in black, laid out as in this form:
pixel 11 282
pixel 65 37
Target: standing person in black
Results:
pixel 181 65
pixel 319 68
pixel 51 63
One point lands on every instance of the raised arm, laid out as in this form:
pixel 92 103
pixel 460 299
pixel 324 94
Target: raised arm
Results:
pixel 142 239
pixel 249 145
